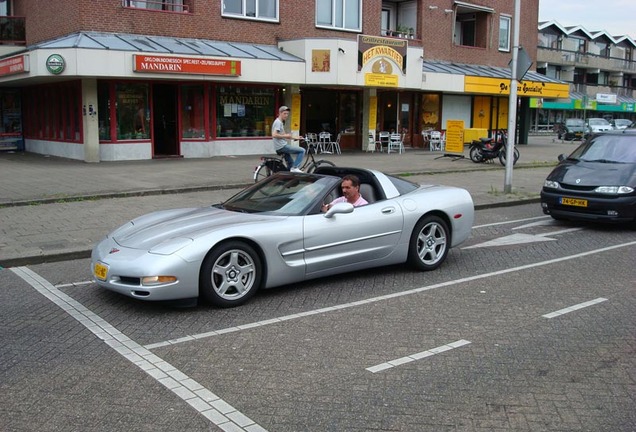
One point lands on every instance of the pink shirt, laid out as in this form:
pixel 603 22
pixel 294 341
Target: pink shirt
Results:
pixel 360 201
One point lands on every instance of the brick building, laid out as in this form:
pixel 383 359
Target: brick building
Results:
pixel 140 79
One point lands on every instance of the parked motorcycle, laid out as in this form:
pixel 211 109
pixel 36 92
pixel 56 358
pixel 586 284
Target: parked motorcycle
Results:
pixel 487 149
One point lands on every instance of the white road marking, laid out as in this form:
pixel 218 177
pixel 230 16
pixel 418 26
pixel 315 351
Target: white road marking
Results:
pixel 521 238
pixel 534 224
pixel 194 394
pixel 418 356
pixel 509 222
pixel 575 307
pixel 277 320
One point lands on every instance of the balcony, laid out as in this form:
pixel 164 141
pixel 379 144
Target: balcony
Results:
pixel 12 30
pixel 584 60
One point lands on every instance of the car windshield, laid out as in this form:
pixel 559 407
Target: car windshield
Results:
pixel 598 122
pixel 622 122
pixel 574 122
pixel 607 148
pixel 283 194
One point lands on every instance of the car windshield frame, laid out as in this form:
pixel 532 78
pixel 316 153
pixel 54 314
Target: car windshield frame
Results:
pixel 607 148
pixel 284 194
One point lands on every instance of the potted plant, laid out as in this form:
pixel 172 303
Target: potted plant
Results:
pixel 411 32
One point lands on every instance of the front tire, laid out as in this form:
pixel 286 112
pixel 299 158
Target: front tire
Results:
pixel 230 274
pixel 502 156
pixel 429 243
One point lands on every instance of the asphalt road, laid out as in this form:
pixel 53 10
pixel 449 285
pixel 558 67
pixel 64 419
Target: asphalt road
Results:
pixel 519 330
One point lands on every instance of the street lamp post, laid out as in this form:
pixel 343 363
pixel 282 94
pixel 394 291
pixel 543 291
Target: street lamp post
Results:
pixel 512 103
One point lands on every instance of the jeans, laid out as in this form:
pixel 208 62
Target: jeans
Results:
pixel 289 150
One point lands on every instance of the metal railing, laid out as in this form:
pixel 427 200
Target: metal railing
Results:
pixel 158 5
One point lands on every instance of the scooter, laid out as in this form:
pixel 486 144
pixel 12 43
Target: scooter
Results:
pixel 487 149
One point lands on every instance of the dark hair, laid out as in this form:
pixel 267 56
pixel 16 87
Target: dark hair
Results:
pixel 355 181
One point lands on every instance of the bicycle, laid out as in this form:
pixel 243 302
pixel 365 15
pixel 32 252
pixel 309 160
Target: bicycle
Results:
pixel 271 164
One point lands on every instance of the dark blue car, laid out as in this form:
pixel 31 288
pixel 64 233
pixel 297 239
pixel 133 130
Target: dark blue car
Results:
pixel 597 182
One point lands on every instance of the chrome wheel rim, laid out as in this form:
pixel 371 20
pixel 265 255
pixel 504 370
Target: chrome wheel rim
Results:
pixel 431 243
pixel 233 274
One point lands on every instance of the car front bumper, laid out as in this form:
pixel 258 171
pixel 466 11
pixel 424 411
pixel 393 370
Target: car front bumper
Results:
pixel 606 209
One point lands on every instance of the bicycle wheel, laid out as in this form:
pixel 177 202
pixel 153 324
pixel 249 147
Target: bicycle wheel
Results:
pixel 312 167
pixel 502 157
pixel 262 171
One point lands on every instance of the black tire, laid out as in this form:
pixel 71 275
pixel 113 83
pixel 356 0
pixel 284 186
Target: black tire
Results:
pixel 429 243
pixel 475 155
pixel 230 274
pixel 502 156
pixel 262 171
pixel 312 167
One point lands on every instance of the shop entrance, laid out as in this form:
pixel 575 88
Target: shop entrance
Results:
pixel 335 111
pixel 396 114
pixel 164 120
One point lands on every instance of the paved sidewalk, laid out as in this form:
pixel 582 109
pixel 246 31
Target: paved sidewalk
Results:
pixel 54 208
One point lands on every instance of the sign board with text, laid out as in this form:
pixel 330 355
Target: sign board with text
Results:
pixel 454 137
pixel 186 65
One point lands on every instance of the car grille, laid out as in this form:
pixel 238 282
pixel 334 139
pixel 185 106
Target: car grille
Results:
pixel 578 188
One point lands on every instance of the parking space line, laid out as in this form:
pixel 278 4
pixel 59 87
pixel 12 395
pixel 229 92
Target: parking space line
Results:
pixel 384 297
pixel 575 307
pixel 509 222
pixel 418 356
pixel 194 394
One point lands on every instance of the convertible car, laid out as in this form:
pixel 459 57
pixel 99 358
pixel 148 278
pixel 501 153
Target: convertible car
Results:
pixel 274 233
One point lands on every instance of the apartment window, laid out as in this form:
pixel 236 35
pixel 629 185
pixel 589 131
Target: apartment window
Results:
pixel 504 33
pixel 162 5
pixel 604 49
pixel 465 29
pixel 339 14
pixel 580 45
pixel 256 9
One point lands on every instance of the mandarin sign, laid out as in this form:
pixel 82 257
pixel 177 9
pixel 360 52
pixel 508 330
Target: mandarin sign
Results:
pixel 14 65
pixel 186 65
pixel 499 86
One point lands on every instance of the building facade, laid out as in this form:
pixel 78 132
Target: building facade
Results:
pixel 141 79
pixel 599 68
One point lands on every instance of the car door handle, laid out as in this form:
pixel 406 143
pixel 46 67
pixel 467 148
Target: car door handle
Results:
pixel 388 210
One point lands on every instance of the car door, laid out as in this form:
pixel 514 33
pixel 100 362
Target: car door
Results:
pixel 370 232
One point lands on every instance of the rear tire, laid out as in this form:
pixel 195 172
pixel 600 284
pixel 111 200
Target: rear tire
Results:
pixel 475 155
pixel 502 156
pixel 230 274
pixel 312 167
pixel 429 243
pixel 261 172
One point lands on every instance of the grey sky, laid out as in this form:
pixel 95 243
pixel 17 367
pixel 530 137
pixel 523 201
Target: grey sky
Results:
pixel 618 17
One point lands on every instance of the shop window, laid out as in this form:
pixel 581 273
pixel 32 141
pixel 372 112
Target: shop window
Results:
pixel 254 9
pixel 348 112
pixel 504 33
pixel 339 14
pixel 162 5
pixel 243 111
pixel 10 114
pixel 430 111
pixel 53 112
pixel 192 115
pixel 132 111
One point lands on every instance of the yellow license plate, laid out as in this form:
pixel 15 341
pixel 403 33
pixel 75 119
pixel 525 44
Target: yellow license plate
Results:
pixel 574 202
pixel 100 271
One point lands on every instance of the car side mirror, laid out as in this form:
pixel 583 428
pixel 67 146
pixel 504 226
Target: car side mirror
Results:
pixel 561 157
pixel 343 207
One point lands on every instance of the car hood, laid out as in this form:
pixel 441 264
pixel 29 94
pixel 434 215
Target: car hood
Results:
pixel 155 228
pixel 583 173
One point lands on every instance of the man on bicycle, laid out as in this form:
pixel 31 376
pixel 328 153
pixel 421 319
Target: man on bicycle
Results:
pixel 281 145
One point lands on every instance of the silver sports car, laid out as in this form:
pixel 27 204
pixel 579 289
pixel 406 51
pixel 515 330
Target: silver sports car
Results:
pixel 274 233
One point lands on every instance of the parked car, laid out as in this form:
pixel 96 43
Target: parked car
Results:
pixel 596 125
pixel 274 233
pixel 597 182
pixel 621 123
pixel 572 129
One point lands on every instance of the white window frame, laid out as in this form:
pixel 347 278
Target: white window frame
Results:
pixel 243 13
pixel 334 8
pixel 506 45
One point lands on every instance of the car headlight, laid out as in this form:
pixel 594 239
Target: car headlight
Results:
pixel 551 184
pixel 614 190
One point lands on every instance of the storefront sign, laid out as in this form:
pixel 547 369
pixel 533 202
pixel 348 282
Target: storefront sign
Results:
pixel 374 47
pixel 186 65
pixel 606 98
pixel 14 65
pixel 380 80
pixel 499 86
pixel 454 137
pixel 55 64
